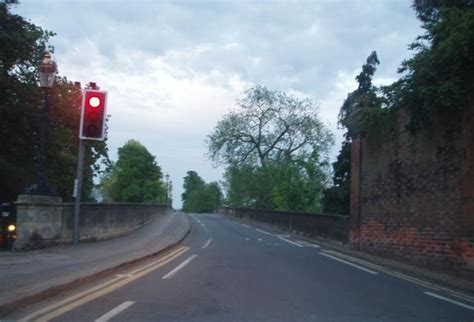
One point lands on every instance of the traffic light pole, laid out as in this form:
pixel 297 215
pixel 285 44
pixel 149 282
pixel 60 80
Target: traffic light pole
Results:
pixel 77 191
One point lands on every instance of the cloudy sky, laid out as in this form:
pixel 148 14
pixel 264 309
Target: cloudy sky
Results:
pixel 173 68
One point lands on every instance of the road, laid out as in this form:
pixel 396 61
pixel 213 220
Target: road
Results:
pixel 228 271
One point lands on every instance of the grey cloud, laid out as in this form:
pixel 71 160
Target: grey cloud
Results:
pixel 287 45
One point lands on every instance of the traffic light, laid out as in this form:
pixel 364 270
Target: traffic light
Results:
pixel 93 115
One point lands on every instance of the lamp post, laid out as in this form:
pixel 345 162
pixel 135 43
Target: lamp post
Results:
pixel 170 194
pixel 47 72
pixel 167 176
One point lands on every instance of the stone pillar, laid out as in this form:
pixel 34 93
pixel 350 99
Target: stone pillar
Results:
pixel 38 219
pixel 354 219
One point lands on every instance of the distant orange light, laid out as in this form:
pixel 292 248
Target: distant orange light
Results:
pixel 94 101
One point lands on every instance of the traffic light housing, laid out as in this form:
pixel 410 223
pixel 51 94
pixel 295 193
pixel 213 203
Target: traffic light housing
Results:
pixel 93 115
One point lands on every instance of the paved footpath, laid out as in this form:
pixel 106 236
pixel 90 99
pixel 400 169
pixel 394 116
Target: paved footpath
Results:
pixel 229 271
pixel 28 273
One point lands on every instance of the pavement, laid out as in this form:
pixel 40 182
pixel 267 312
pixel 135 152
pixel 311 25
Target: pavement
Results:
pixel 31 276
pixel 231 271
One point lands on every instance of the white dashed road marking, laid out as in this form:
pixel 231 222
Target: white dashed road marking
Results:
pixel 179 267
pixel 207 243
pixel 122 307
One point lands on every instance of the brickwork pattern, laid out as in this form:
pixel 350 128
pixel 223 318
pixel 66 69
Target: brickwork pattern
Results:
pixel 416 193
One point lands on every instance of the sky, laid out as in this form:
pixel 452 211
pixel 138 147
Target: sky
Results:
pixel 172 69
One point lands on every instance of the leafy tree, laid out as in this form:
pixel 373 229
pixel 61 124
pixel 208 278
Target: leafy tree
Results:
pixel 337 197
pixel 271 145
pixel 135 177
pixel 198 196
pixel 268 125
pixel 361 106
pixel 192 182
pixel 23 46
pixel 439 78
pixel 359 112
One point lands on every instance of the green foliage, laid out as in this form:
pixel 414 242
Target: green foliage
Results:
pixel 360 113
pixel 135 177
pixel 362 106
pixel 272 146
pixel 337 197
pixel 268 125
pixel 198 196
pixel 192 182
pixel 439 79
pixel 281 184
pixel 23 45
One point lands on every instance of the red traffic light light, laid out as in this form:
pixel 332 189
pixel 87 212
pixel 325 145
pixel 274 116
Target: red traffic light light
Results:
pixel 93 115
pixel 94 101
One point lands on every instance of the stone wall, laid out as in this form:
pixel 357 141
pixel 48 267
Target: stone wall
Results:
pixel 412 196
pixel 42 224
pixel 312 225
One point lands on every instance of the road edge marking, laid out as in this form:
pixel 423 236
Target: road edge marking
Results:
pixel 349 263
pixel 405 277
pixel 264 232
pixel 439 297
pixel 290 241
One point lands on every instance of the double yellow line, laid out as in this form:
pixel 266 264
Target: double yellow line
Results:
pixel 59 308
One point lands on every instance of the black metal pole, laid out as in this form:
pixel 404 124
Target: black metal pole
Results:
pixel 42 180
pixel 78 192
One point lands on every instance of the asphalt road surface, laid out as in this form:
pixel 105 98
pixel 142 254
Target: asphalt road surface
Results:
pixel 228 271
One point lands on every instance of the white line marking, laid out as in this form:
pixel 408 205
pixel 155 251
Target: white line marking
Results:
pixel 207 243
pixel 308 244
pixel 403 276
pixel 246 238
pixel 349 263
pixel 265 232
pixel 245 225
pixel 122 307
pixel 203 226
pixel 177 268
pixel 290 241
pixel 260 239
pixel 450 301
pixel 124 275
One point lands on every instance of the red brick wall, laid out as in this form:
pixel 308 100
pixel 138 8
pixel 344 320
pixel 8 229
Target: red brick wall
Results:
pixel 416 192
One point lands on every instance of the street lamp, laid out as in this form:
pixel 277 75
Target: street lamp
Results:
pixel 167 176
pixel 47 73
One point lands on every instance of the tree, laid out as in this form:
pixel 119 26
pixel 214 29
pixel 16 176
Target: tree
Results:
pixel 192 182
pixel 439 78
pixel 357 111
pixel 135 177
pixel 23 45
pixel 357 115
pixel 198 196
pixel 268 125
pixel 337 197
pixel 272 145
